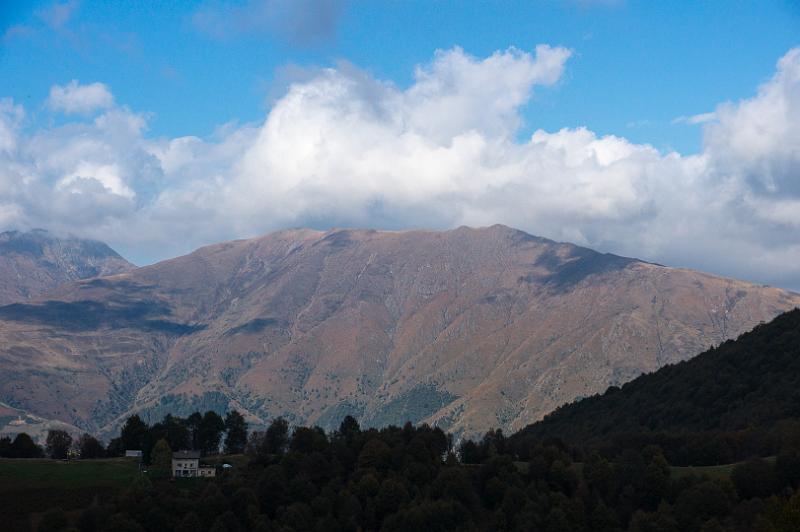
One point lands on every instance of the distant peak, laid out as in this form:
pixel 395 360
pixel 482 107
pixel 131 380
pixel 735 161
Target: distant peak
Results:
pixel 36 241
pixel 33 234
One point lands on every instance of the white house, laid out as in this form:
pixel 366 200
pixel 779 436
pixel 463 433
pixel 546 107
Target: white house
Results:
pixel 187 464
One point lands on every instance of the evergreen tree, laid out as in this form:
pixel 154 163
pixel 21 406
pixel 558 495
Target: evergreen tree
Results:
pixel 193 423
pixel 90 447
pixel 276 437
pixel 349 428
pixel 23 446
pixel 58 443
pixel 162 458
pixel 5 447
pixel 176 432
pixel 210 432
pixel 236 433
pixel 133 434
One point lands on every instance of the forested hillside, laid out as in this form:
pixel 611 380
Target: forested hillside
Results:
pixel 412 479
pixel 739 399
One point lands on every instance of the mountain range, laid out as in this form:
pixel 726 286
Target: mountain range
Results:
pixel 467 329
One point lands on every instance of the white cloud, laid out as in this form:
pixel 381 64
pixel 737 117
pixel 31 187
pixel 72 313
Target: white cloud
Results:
pixel 343 148
pixel 758 140
pixel 88 174
pixel 701 118
pixel 10 119
pixel 76 98
pixel 458 93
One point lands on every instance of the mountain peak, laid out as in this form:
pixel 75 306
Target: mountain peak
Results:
pixel 35 261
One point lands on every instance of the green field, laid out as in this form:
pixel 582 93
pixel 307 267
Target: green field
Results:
pixel 28 486
pixel 712 472
pixel 236 460
pixel 23 474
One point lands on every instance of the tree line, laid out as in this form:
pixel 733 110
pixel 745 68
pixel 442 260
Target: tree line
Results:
pixel 414 478
pixel 208 433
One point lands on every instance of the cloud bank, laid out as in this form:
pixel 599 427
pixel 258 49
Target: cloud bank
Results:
pixel 345 149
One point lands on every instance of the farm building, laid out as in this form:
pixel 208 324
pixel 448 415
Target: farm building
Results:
pixel 187 464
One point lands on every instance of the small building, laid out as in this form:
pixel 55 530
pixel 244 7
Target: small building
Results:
pixel 187 464
pixel 132 453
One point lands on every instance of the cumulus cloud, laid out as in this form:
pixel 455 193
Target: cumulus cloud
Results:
pixel 758 140
pixel 300 22
pixel 76 98
pixel 343 148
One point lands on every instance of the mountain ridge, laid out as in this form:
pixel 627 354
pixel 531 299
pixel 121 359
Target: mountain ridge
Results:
pixel 468 329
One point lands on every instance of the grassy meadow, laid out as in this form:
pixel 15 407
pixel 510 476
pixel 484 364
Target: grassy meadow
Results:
pixel 31 486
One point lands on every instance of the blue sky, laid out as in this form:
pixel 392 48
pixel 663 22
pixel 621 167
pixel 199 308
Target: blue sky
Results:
pixel 637 65
pixel 668 131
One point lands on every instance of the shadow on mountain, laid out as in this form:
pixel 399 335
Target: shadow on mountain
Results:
pixel 414 405
pixel 92 315
pixel 337 239
pixel 118 285
pixel 251 327
pixel 568 272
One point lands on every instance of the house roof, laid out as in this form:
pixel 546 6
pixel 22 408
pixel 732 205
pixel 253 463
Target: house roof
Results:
pixel 183 455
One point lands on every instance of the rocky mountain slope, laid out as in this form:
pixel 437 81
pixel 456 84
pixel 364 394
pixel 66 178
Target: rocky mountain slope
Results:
pixel 469 329
pixel 32 263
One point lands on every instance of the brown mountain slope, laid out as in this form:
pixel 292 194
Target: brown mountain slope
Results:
pixel 470 329
pixel 32 263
